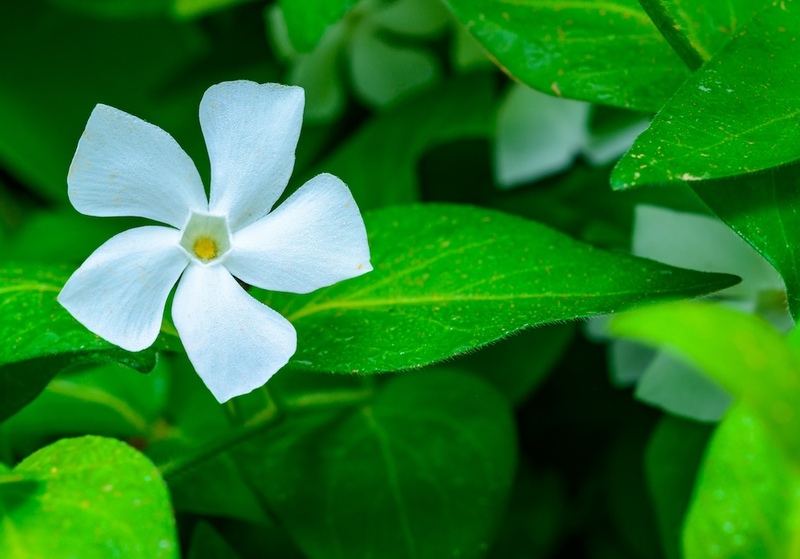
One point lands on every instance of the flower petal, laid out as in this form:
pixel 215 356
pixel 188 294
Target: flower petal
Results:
pixel 314 239
pixel 119 293
pixel 234 342
pixel 126 166
pixel 537 135
pixel 251 132
pixel 680 389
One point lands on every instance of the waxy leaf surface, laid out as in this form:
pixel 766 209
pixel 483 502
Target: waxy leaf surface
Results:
pixel 605 52
pixel 307 20
pixel 448 279
pixel 697 30
pixel 735 115
pixel 91 498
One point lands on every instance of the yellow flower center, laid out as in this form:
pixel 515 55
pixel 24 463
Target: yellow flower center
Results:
pixel 205 248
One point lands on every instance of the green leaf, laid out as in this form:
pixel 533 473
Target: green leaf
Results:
pixel 380 170
pixel 423 470
pixel 43 338
pixel 196 8
pixel 697 30
pixel 732 116
pixel 766 213
pixel 106 400
pixel 747 498
pixel 89 497
pixel 448 279
pixel 307 20
pixel 604 52
pixel 743 353
pixel 672 459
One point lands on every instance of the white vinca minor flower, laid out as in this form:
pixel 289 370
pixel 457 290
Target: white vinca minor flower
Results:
pixel 126 167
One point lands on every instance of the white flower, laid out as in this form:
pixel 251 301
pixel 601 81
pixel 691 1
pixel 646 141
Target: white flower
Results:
pixel 540 135
pixel 126 167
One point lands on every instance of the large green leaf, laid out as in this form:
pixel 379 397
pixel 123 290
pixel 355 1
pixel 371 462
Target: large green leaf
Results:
pixel 448 279
pixel 91 498
pixel 743 353
pixel 697 30
pixel 423 470
pixel 379 163
pixel 746 502
pixel 42 338
pixel 765 211
pixel 605 52
pixel 735 115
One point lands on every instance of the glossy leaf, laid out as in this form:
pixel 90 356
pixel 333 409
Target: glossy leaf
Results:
pixel 731 117
pixel 743 353
pixel 92 498
pixel 697 30
pixel 448 279
pixel 43 338
pixel 380 170
pixel 672 458
pixel 747 498
pixel 423 470
pixel 765 211
pixel 604 52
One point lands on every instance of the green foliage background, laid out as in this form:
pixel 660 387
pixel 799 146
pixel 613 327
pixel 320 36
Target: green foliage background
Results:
pixel 449 403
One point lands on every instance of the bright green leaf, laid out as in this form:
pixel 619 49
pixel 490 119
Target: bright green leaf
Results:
pixel 746 502
pixel 91 498
pixel 672 459
pixel 423 470
pixel 743 353
pixel 42 338
pixel 605 52
pixel 448 279
pixel 733 116
pixel 697 30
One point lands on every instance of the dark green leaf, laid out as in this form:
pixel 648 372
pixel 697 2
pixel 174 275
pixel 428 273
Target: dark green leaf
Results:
pixel 743 353
pixel 747 497
pixel 119 63
pixel 42 338
pixel 448 279
pixel 671 462
pixel 379 162
pixel 424 470
pixel 733 116
pixel 604 52
pixel 208 544
pixel 91 498
pixel 697 30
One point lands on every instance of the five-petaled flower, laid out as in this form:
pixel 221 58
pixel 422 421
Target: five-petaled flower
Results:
pixel 126 167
